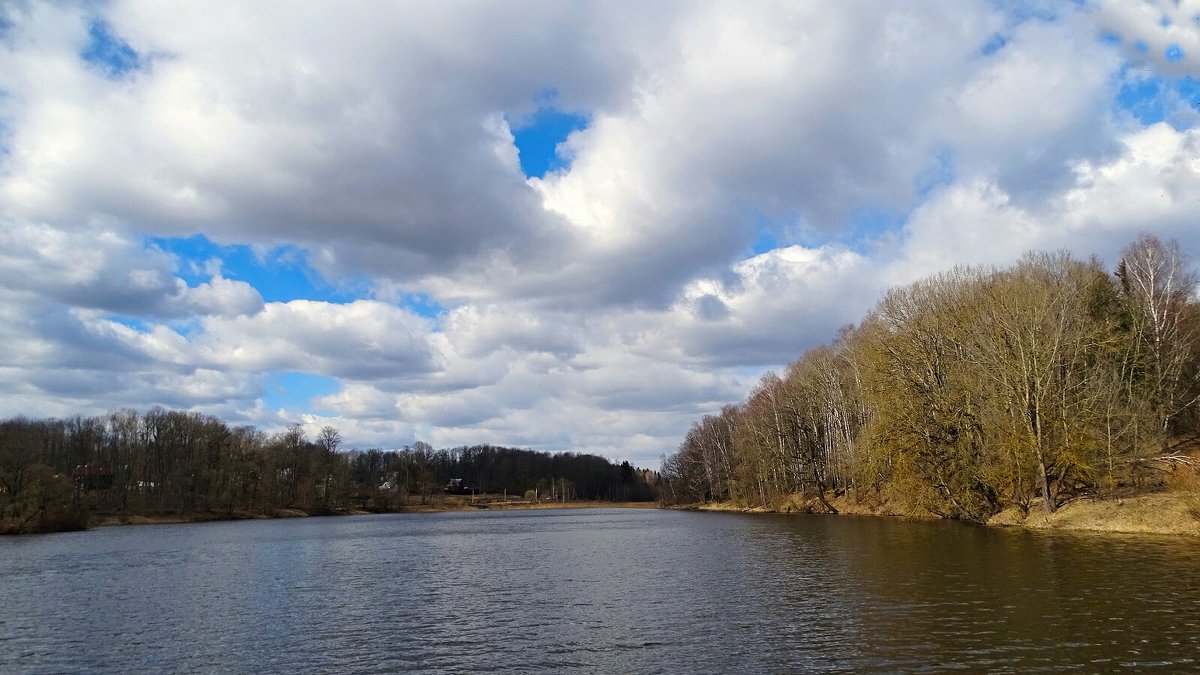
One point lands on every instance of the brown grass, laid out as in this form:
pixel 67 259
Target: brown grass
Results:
pixel 1172 512
pixel 800 503
pixel 527 505
pixel 442 505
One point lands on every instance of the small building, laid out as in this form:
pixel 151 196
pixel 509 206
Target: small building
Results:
pixel 93 476
pixel 455 487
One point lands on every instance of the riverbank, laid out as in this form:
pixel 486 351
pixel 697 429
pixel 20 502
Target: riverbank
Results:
pixel 443 505
pixel 1175 513
pixel 446 505
pixel 523 506
pixel 466 504
pixel 1169 513
pixel 121 519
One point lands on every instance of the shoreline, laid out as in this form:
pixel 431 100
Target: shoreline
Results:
pixel 1171 513
pixel 122 520
pixel 448 506
pixel 1159 513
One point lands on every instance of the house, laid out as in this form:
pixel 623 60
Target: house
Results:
pixel 455 487
pixel 93 476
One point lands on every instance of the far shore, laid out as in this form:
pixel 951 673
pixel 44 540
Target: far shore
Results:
pixel 445 505
pixel 1162 513
pixel 1167 513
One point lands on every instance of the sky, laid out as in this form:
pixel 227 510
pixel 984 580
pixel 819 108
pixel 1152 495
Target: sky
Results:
pixel 557 225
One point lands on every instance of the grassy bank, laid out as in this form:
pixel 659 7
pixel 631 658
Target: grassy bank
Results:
pixel 499 503
pixel 1160 513
pixel 112 520
pixel 1168 512
pixel 441 505
pixel 43 522
pixel 522 506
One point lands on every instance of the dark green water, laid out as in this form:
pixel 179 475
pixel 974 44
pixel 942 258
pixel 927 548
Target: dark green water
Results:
pixel 596 591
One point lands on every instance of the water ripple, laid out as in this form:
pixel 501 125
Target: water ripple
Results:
pixel 595 591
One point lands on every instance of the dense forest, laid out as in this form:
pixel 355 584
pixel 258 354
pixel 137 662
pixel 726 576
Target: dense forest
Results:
pixel 973 391
pixel 55 474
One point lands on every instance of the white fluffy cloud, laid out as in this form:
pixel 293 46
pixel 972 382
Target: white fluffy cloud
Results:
pixel 103 269
pixel 750 178
pixel 1162 33
pixel 361 340
pixel 1151 185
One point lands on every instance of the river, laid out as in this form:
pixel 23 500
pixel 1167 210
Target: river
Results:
pixel 604 590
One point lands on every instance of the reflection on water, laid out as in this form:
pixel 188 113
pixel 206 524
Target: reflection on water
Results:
pixel 600 590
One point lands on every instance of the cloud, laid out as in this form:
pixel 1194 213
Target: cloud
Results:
pixel 62 362
pixel 360 340
pixel 750 178
pixel 1158 33
pixel 1035 107
pixel 220 297
pixel 478 331
pixel 100 268
pixel 364 140
pixel 1153 185
pixel 394 158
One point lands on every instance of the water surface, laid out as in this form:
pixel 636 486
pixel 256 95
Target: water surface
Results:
pixel 595 591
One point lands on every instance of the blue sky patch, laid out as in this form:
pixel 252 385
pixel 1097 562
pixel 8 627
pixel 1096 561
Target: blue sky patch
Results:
pixel 294 391
pixel 107 51
pixel 861 228
pixel 423 305
pixel 1174 53
pixel 994 44
pixel 538 137
pixel 866 224
pixel 1019 11
pixel 938 174
pixel 1144 100
pixel 130 322
pixel 773 231
pixel 282 274
pixel 766 241
pixel 5 132
pixel 1189 91
pixel 1151 100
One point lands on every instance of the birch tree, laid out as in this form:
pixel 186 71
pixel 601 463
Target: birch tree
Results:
pixel 1159 287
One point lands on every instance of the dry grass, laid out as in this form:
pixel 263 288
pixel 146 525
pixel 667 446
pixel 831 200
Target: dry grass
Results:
pixel 730 506
pixel 109 520
pixel 1173 512
pixel 496 502
pixel 1180 478
pixel 800 503
pixel 445 504
pixel 523 505
pixel 886 507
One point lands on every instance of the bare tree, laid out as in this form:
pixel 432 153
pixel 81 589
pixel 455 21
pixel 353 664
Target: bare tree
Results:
pixel 1159 287
pixel 330 440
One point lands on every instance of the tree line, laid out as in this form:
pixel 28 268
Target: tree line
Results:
pixel 972 391
pixel 56 473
